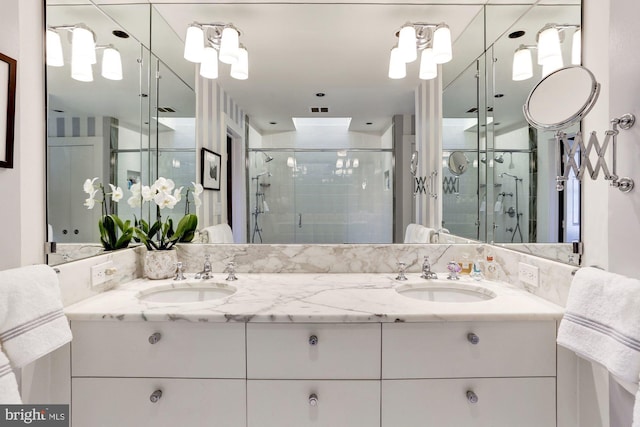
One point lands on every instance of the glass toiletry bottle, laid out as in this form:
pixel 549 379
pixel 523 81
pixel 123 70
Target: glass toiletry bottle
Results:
pixel 465 264
pixel 491 267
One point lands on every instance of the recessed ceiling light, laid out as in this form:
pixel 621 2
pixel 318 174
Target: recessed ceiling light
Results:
pixel 499 95
pixel 472 110
pixel 59 111
pixel 516 34
pixel 273 123
pixel 120 33
pixel 144 95
pixel 320 94
pixel 369 123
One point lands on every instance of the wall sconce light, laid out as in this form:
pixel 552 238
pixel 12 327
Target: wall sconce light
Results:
pixel 207 44
pixel 549 40
pixel 83 53
pixel 433 40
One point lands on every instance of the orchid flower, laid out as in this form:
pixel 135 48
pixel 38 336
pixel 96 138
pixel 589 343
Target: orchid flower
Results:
pixel 116 193
pixel 88 185
pixel 91 201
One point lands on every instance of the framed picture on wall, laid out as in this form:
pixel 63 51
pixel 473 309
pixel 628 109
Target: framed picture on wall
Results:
pixel 7 109
pixel 210 169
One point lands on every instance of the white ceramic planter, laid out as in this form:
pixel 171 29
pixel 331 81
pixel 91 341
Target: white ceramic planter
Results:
pixel 160 264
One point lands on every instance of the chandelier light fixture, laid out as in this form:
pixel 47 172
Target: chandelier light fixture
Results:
pixel 432 40
pixel 208 44
pixel 549 55
pixel 83 53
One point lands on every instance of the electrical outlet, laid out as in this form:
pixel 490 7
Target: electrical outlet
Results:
pixel 101 273
pixel 528 274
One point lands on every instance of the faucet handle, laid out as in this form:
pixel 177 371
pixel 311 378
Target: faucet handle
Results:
pixel 402 267
pixel 179 272
pixel 231 269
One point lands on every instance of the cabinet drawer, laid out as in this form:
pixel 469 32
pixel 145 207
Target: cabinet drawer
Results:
pixel 123 349
pixel 522 402
pixel 445 350
pixel 313 351
pixel 126 402
pixel 272 403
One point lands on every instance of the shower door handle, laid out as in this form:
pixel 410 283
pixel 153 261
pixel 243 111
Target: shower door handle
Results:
pixel 299 220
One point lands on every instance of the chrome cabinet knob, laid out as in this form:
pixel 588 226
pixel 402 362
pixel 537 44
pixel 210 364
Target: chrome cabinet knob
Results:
pixel 155 396
pixel 155 337
pixel 313 340
pixel 473 338
pixel 313 399
pixel 472 397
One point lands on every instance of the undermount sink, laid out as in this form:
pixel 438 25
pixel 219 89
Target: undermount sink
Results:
pixel 446 291
pixel 181 293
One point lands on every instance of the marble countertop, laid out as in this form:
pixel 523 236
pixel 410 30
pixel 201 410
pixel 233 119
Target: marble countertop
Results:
pixel 313 298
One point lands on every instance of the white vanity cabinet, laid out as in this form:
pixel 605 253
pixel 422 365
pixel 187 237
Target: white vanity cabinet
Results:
pixel 469 373
pixel 488 373
pixel 321 375
pixel 158 373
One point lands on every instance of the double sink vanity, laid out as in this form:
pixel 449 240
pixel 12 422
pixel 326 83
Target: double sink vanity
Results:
pixel 314 349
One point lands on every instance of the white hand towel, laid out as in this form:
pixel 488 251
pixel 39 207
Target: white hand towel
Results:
pixel 602 321
pixel 220 233
pixel 416 233
pixel 32 322
pixel 9 394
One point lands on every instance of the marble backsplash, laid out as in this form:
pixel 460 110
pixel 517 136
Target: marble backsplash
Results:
pixel 555 277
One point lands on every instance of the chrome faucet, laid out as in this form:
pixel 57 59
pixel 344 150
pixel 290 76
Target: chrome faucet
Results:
pixel 402 267
pixel 231 269
pixel 426 270
pixel 206 270
pixel 179 272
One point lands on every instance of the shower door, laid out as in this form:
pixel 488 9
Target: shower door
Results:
pixel 321 196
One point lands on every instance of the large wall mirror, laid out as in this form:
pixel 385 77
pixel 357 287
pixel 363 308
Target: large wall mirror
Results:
pixel 295 176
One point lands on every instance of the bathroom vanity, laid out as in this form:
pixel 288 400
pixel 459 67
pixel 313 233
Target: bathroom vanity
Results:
pixel 314 350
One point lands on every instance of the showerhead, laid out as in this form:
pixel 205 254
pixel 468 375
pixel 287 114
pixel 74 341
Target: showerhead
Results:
pixel 499 159
pixel 267 158
pixel 508 174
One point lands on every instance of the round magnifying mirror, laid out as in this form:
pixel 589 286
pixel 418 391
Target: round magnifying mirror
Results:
pixel 458 163
pixel 562 98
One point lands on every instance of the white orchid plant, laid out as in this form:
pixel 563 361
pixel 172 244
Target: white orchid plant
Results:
pixel 158 236
pixel 109 223
pixel 162 235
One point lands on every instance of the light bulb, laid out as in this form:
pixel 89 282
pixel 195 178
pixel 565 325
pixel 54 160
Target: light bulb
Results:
pixel 81 71
pixel 407 43
pixel 229 46
pixel 83 46
pixel 240 69
pixel 551 65
pixel 54 49
pixel 428 66
pixel 111 64
pixel 442 52
pixel 339 164
pixel 397 67
pixel 576 47
pixel 209 64
pixel 194 44
pixel 549 46
pixel 356 163
pixel 290 162
pixel 522 68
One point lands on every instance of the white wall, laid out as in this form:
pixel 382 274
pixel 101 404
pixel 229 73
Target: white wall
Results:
pixel 22 189
pixel 595 221
pixel 624 97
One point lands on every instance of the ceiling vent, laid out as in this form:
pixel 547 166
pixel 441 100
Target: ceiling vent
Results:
pixel 166 110
pixel 319 109
pixel 472 110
